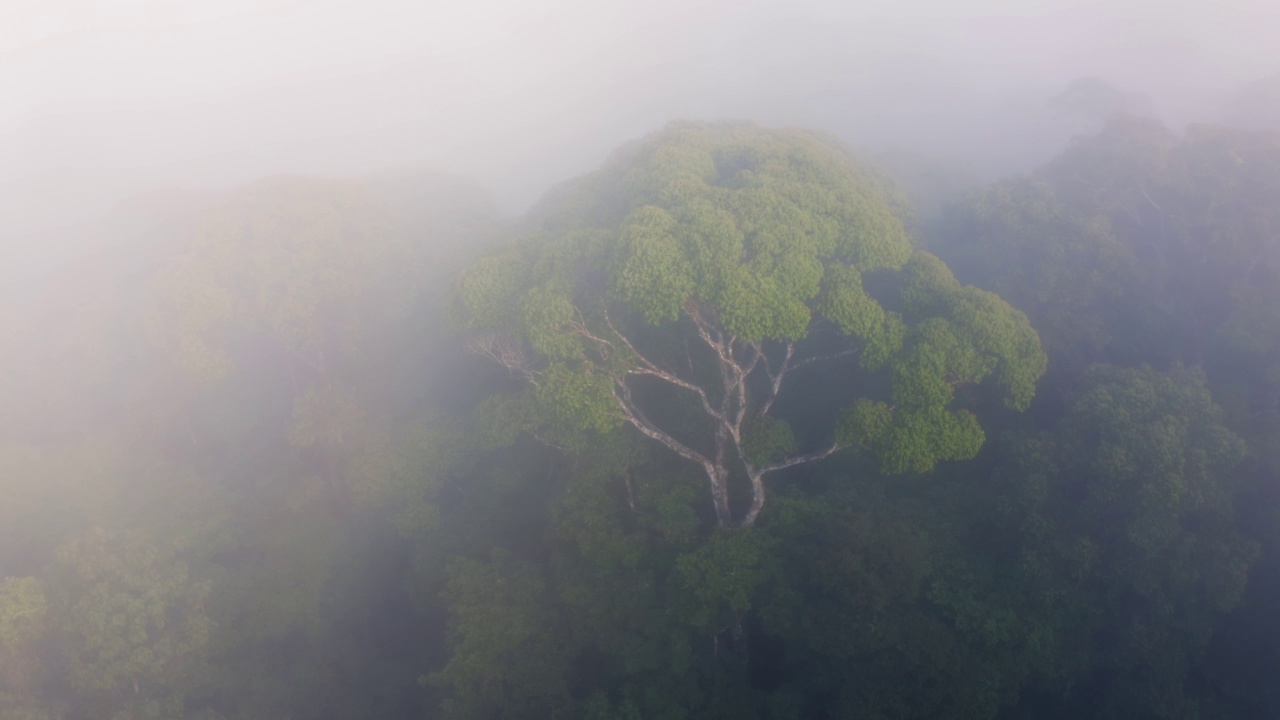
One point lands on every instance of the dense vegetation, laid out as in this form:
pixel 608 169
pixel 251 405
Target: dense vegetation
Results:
pixel 739 426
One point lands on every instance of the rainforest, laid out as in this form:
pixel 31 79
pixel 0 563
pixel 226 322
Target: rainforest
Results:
pixel 730 428
pixel 745 419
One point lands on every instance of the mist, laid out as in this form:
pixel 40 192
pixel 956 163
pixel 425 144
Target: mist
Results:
pixel 108 99
pixel 591 360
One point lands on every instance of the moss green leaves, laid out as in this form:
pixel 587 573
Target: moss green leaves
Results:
pixel 23 616
pixel 1004 341
pixel 703 256
pixel 911 439
pixel 489 289
pixel 884 341
pixel 917 440
pixel 742 219
pixel 970 334
pixel 757 308
pixel 578 399
pixel 962 336
pixel 133 620
pixel 1158 447
pixel 655 277
pixel 768 440
pixel 715 583
pixel 1132 496
pixel 22 612
pixel 847 304
pixel 544 314
pixel 927 286
pixel 506 656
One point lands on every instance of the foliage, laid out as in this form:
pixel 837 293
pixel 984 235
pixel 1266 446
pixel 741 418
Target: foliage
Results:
pixel 738 241
pixel 1131 508
pixel 248 468
pixel 131 619
pixel 507 658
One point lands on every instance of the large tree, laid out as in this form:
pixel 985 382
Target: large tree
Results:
pixel 717 260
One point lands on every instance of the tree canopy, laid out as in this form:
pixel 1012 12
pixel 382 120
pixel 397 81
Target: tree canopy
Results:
pixel 718 259
pixel 757 431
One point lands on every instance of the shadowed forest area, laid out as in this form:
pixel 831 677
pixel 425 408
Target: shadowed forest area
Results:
pixel 745 424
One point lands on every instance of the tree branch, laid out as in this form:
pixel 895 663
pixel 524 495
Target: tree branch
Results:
pixel 636 417
pixel 715 472
pixel 802 459
pixel 823 358
pixel 505 352
pixel 775 380
pixel 647 367
pixel 604 347
pixel 705 331
pixel 757 479
pixel 788 366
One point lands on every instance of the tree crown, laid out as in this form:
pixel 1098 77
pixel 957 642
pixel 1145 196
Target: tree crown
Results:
pixel 743 242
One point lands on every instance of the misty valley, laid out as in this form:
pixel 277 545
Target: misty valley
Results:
pixel 747 423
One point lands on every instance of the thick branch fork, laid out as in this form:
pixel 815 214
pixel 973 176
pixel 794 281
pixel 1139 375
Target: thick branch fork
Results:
pixel 737 361
pixel 729 409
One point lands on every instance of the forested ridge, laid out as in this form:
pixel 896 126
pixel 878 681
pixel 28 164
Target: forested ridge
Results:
pixel 744 424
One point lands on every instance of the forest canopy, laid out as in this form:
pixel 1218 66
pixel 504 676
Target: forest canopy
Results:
pixel 753 254
pixel 744 424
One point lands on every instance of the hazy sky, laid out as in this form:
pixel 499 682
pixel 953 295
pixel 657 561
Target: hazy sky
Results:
pixel 103 98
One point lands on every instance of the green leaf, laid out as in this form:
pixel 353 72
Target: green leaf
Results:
pixel 847 304
pixel 580 400
pixel 655 278
pixel 767 439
